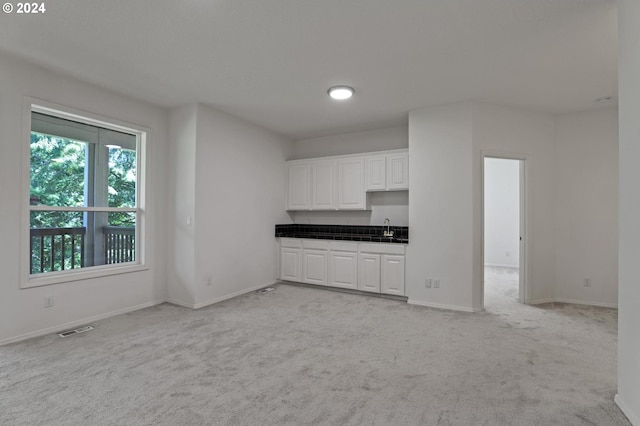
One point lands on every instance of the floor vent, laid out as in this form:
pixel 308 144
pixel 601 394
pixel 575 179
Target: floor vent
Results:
pixel 75 331
pixel 265 290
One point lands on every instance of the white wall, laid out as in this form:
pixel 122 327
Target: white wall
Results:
pixel 21 310
pixel 446 146
pixel 352 143
pixel 501 212
pixel 628 397
pixel 521 134
pixel 182 171
pixel 392 205
pixel 441 206
pixel 587 207
pixel 238 197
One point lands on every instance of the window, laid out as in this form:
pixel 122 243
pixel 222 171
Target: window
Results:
pixel 84 197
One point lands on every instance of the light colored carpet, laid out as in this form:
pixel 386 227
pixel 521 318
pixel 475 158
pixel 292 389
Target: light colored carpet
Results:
pixel 301 356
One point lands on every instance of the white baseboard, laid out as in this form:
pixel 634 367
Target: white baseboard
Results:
pixel 442 306
pixel 500 265
pixel 540 301
pixel 232 295
pixel 73 324
pixel 634 419
pixel 179 302
pixel 586 302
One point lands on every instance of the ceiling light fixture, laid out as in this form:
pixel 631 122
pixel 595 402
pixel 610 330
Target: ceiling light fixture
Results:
pixel 340 93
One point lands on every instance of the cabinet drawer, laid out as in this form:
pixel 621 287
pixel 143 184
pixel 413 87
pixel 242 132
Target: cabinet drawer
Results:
pixel 340 246
pixel 382 248
pixel 315 244
pixel 290 242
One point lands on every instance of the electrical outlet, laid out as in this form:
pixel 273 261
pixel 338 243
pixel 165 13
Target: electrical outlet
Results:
pixel 436 283
pixel 48 302
pixel 209 281
pixel 427 282
pixel 587 282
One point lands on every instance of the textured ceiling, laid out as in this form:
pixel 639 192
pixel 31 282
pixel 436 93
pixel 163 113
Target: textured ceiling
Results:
pixel 271 61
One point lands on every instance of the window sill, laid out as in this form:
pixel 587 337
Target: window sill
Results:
pixel 88 273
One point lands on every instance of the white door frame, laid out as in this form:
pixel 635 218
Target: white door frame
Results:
pixel 523 291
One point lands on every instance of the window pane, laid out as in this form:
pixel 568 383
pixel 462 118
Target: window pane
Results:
pixel 120 238
pixel 57 171
pixel 73 240
pixel 122 177
pixel 57 241
pixel 49 219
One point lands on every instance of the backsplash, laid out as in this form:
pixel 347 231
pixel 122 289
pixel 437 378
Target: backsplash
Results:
pixel 344 232
pixel 392 204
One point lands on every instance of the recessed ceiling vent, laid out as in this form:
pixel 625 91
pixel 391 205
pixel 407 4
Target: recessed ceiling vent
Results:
pixel 75 331
pixel 606 100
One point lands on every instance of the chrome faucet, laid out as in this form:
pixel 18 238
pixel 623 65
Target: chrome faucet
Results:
pixel 387 233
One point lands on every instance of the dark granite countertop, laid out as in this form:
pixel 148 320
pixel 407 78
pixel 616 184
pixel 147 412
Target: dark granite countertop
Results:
pixel 372 234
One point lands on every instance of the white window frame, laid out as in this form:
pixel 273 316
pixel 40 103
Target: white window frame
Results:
pixel 29 280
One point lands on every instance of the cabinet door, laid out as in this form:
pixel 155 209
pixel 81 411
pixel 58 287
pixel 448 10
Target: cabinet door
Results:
pixel 343 270
pixel 314 267
pixel 398 171
pixel 351 184
pixel 323 178
pixel 369 272
pixel 299 193
pixel 290 264
pixel 392 275
pixel 376 176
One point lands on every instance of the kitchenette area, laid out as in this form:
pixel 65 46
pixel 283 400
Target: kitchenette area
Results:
pixel 339 238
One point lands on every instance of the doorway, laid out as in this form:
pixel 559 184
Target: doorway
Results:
pixel 503 231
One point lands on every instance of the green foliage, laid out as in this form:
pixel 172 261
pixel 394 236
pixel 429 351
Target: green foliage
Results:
pixel 122 185
pixel 58 179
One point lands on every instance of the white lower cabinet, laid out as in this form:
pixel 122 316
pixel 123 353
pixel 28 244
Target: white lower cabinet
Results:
pixel 381 268
pixel 376 268
pixel 343 269
pixel 369 272
pixel 314 267
pixel 290 264
pixel 314 261
pixel 392 275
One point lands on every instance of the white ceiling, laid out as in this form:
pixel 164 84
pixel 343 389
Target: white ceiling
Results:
pixel 271 61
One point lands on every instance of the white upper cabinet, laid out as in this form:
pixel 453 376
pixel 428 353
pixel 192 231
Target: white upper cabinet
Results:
pixel 398 171
pixel 376 173
pixel 388 172
pixel 351 193
pixel 342 182
pixel 324 185
pixel 299 186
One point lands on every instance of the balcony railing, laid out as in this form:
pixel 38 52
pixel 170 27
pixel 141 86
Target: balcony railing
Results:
pixel 119 244
pixel 58 249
